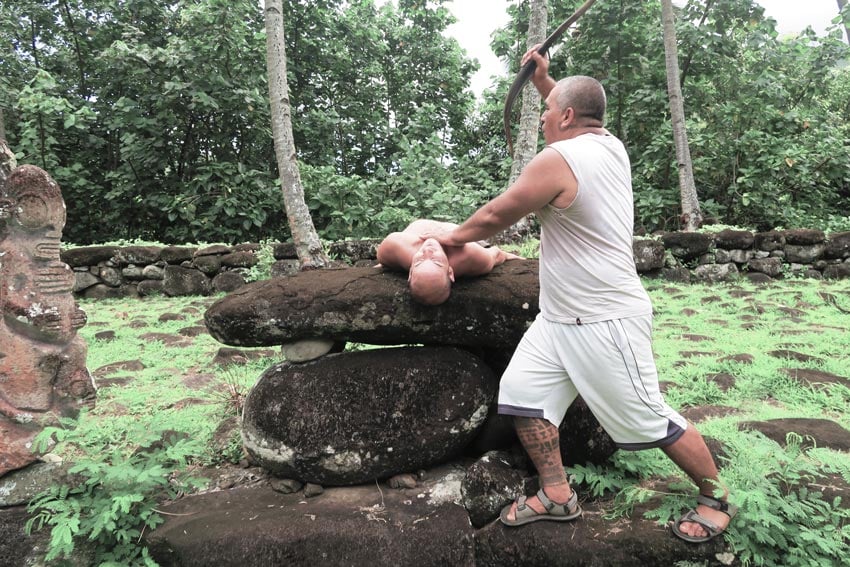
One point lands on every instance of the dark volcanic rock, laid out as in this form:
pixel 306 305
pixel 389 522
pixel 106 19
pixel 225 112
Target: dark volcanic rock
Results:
pixel 138 254
pixel 355 249
pixel 682 275
pixel 734 239
pixel 176 254
pixel 209 264
pixel 88 255
pixel 768 266
pixel 815 432
pixel 284 251
pixel 649 254
pixel 240 259
pixel 369 305
pixel 344 526
pixel 583 440
pixel 150 287
pixel 490 484
pixel 804 236
pixel 837 271
pixel 769 241
pixel 227 281
pixel 687 245
pixel 424 526
pixel 179 281
pixel 838 245
pixel 353 417
pixel 16 547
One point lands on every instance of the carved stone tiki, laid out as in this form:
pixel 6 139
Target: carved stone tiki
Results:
pixel 43 372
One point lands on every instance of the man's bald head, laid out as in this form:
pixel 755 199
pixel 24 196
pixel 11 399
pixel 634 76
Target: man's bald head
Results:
pixel 586 96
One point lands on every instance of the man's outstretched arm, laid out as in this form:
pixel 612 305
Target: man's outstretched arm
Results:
pixel 540 182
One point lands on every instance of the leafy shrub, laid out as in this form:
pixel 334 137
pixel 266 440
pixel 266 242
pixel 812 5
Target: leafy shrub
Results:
pixel 265 258
pixel 118 490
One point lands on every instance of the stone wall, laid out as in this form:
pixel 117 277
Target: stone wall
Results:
pixel 760 256
pixel 131 271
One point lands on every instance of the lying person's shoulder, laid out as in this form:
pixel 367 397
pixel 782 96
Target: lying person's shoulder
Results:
pixel 422 225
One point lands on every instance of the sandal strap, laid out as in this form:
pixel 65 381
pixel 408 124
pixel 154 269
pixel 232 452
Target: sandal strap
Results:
pixel 545 500
pixel 719 505
pixel 693 517
pixel 568 506
pixel 520 503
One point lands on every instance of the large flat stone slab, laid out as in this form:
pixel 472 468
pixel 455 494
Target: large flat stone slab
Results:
pixel 363 525
pixel 423 526
pixel 373 306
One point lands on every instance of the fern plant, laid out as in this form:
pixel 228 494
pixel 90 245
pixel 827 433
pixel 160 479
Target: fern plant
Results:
pixel 781 522
pixel 115 498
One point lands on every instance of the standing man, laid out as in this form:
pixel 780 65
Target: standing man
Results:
pixel 432 269
pixel 593 334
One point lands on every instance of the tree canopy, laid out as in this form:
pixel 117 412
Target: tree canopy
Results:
pixel 767 115
pixel 153 115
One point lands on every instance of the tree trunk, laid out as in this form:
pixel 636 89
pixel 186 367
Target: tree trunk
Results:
pixel 529 122
pixel 691 218
pixel 841 5
pixel 7 156
pixel 307 244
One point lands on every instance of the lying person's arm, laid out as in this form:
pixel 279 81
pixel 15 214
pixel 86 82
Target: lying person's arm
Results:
pixel 394 253
pixel 475 260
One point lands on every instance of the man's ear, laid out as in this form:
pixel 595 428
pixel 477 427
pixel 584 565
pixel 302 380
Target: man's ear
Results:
pixel 569 114
pixel 451 274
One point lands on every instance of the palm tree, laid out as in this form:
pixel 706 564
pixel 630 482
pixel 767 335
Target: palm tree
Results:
pixel 691 218
pixel 307 244
pixel 526 143
pixel 841 5
pixel 7 156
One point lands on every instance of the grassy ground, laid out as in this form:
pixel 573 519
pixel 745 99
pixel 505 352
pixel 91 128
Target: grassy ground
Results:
pixel 158 379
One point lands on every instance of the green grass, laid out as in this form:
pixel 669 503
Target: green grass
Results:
pixel 781 522
pixel 156 391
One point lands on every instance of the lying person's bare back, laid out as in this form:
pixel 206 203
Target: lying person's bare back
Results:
pixel 433 267
pixel 398 249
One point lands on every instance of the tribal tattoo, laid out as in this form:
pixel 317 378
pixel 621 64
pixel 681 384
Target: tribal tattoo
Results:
pixel 542 443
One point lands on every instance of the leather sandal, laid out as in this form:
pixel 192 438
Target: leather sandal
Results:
pixel 713 529
pixel 525 514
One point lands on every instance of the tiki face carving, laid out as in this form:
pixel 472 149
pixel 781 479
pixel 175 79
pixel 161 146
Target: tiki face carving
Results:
pixel 36 214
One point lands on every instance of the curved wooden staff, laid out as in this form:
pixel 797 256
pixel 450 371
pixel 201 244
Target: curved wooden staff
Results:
pixel 527 70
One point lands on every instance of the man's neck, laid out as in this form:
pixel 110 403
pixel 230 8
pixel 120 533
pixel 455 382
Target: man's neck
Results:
pixel 575 131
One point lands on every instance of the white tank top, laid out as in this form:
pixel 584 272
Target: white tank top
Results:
pixel 587 266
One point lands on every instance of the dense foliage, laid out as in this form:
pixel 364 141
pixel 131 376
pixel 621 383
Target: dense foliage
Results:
pixel 153 114
pixel 767 116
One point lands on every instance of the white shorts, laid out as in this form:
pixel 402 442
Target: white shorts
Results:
pixel 609 363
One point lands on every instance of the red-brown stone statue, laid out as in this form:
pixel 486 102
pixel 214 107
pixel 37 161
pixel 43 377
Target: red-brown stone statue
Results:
pixel 43 371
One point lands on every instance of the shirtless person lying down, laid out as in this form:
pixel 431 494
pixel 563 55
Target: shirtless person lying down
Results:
pixel 432 267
